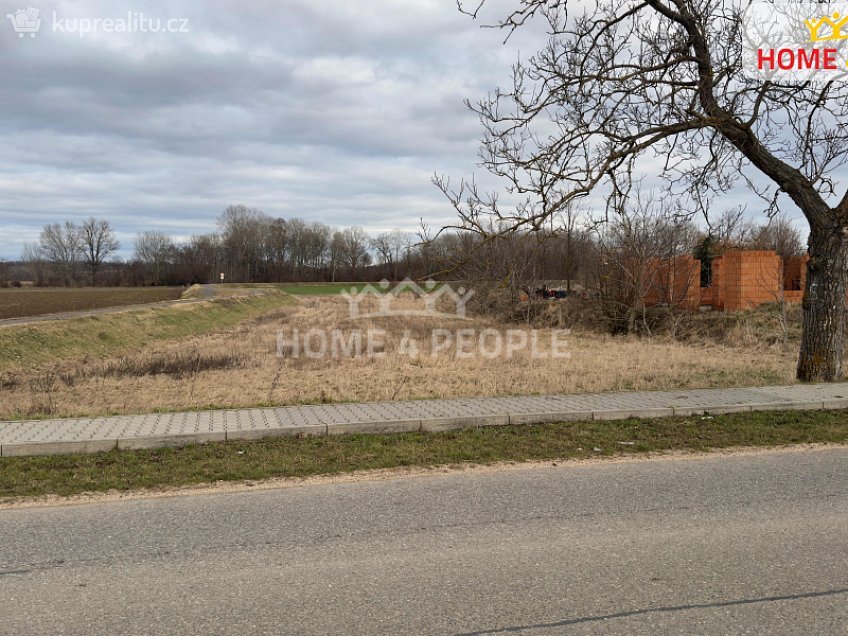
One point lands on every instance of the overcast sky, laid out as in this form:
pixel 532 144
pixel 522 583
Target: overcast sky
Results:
pixel 333 111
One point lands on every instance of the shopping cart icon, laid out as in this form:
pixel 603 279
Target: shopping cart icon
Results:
pixel 25 21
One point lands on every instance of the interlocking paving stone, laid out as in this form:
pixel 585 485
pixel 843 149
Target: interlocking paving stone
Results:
pixel 35 437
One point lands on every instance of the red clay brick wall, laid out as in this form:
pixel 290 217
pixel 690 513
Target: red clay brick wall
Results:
pixel 795 272
pixel 714 294
pixel 732 283
pixel 751 278
pixel 740 280
pixel 675 281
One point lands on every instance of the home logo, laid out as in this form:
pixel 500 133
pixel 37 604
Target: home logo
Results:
pixel 792 43
pixel 826 29
pixel 385 298
pixel 25 22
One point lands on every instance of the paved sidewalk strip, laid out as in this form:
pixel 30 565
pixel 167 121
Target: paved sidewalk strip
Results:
pixel 88 435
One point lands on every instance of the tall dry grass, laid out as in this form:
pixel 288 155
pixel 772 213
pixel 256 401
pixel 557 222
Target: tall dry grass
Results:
pixel 239 367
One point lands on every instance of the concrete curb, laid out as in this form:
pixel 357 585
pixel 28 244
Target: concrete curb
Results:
pixel 687 411
pixel 427 424
pixel 375 428
pixel 26 449
pixel 158 441
pixel 547 418
pixel 623 414
pixel 835 404
pixel 440 424
pixel 316 430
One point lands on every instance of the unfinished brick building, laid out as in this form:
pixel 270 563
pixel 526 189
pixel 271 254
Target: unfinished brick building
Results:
pixel 736 280
pixel 674 281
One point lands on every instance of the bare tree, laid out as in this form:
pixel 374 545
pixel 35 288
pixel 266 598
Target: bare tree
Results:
pixel 502 271
pixel 391 248
pixel 276 248
pixel 354 249
pixel 60 244
pixel 382 245
pixel 643 258
pixel 400 245
pixel 200 260
pixel 726 228
pixel 565 224
pixel 779 235
pixel 297 230
pixel 335 248
pixel 156 251
pixel 619 82
pixel 97 241
pixel 308 246
pixel 243 232
pixel 33 257
pixel 317 238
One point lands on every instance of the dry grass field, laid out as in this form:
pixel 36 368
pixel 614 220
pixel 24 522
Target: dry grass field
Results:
pixel 38 301
pixel 234 363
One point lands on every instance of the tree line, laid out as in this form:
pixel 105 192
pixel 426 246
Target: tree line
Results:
pixel 248 246
pixel 251 246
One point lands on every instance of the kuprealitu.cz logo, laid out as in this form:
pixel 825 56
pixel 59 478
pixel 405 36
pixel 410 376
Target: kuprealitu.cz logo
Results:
pixel 28 22
pixel 25 22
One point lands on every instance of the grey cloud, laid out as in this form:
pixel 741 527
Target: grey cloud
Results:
pixel 334 111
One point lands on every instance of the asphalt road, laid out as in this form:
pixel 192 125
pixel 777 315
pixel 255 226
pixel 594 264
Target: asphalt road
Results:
pixel 719 545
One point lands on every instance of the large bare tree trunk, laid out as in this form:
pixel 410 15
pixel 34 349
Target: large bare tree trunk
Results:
pixel 823 338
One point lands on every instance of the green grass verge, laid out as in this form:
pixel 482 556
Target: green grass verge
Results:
pixel 113 334
pixel 301 457
pixel 310 289
pixel 300 289
pixel 329 289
